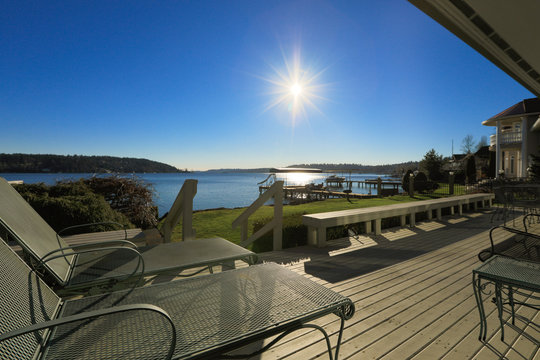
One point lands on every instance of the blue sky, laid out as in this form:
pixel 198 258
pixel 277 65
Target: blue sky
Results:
pixel 190 83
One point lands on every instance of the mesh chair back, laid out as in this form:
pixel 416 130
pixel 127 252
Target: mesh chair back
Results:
pixel 24 300
pixel 32 232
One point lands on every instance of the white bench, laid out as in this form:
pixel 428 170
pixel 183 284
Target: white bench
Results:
pixel 318 223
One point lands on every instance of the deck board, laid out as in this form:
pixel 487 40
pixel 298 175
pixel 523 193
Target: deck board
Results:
pixel 413 294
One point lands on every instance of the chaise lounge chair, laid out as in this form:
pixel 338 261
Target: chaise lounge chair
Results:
pixel 80 267
pixel 201 317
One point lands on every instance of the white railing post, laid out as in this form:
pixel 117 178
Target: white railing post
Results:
pixel 278 218
pixel 188 233
pixel 182 208
pixel 275 191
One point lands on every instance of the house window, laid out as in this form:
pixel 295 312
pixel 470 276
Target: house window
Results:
pixel 517 127
pixel 512 164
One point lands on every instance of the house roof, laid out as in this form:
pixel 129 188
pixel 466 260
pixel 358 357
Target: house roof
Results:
pixel 482 152
pixel 505 32
pixel 522 108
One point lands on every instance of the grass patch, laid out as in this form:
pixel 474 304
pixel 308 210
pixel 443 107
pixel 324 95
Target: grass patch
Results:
pixel 218 222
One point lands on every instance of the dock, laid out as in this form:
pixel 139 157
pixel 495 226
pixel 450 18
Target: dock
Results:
pixel 368 183
pixel 306 193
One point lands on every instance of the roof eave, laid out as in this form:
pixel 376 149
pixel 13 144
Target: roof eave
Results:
pixel 446 14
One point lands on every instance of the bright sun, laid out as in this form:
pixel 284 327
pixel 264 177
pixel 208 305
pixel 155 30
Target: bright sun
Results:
pixel 296 89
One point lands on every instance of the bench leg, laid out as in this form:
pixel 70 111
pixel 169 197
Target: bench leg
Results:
pixel 439 214
pixel 412 218
pixel 367 224
pixel 321 236
pixel 402 220
pixel 475 205
pixel 377 226
pixel 452 208
pixel 430 214
pixel 460 209
pixel 312 236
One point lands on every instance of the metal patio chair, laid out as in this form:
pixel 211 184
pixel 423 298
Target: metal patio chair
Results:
pixel 75 268
pixel 520 245
pixel 202 317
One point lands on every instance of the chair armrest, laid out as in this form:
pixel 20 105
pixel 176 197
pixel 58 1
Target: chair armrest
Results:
pixel 95 314
pixel 140 264
pixel 101 244
pixel 96 246
pixel 519 232
pixel 96 223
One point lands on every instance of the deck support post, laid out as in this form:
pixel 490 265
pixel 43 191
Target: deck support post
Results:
pixel 321 236
pixel 312 235
pixel 368 226
pixel 378 226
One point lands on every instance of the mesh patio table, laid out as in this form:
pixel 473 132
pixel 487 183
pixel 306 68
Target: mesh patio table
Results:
pixel 504 272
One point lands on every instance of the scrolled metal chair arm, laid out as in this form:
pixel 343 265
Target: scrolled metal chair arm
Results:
pixel 140 264
pixel 97 223
pixel 94 314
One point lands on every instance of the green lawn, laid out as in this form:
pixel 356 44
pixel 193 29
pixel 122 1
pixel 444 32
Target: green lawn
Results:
pixel 210 223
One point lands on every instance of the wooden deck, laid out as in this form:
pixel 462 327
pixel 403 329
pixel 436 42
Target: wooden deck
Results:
pixel 413 295
pixel 412 288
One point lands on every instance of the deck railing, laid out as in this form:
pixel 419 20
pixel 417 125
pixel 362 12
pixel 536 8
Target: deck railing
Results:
pixel 507 137
pixel 275 191
pixel 182 208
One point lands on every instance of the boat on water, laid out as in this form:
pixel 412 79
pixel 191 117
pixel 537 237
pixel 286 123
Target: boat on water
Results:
pixel 335 178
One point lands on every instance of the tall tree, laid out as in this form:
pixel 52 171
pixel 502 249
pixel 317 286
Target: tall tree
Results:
pixel 432 164
pixel 467 145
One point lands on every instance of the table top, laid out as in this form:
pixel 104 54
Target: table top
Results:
pixel 517 272
pixel 211 312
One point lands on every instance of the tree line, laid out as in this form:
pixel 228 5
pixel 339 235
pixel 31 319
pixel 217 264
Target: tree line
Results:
pixel 46 163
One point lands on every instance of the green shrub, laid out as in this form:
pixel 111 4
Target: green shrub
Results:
pixel 130 196
pixel 68 204
pixel 405 181
pixel 294 233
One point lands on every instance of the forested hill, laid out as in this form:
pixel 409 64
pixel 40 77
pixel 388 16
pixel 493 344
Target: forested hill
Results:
pixel 38 163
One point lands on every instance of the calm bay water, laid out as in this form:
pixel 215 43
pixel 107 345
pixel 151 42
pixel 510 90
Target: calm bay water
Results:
pixel 214 190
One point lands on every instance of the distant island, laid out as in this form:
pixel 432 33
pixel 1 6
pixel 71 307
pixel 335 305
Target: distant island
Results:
pixel 46 163
pixel 390 169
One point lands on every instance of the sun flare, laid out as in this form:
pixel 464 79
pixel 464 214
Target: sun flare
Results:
pixel 295 88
